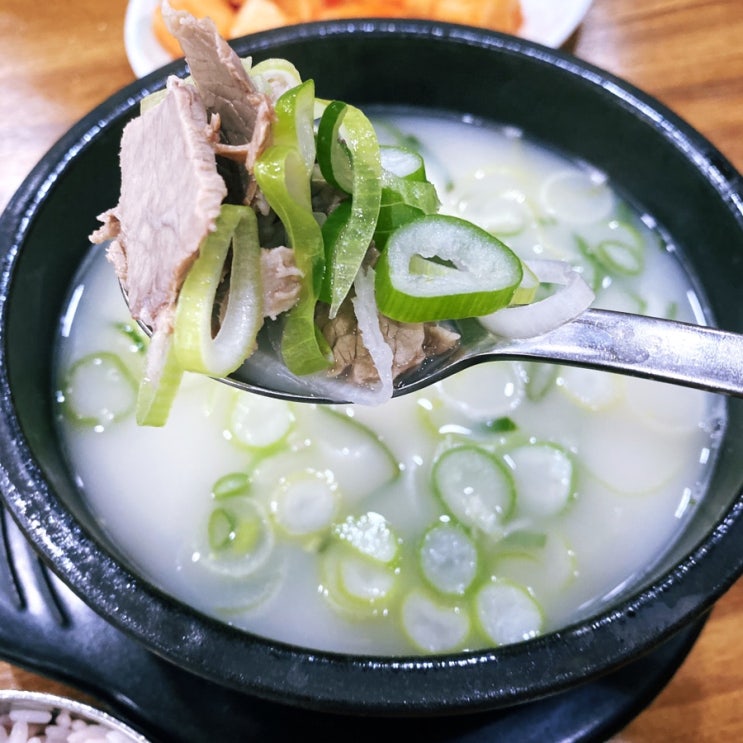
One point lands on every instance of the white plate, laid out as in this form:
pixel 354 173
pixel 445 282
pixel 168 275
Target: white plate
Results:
pixel 551 23
pixel 545 21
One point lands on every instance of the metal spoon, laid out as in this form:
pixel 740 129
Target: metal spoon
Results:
pixel 665 350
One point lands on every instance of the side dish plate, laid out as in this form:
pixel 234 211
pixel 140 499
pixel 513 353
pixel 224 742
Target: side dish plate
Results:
pixel 545 22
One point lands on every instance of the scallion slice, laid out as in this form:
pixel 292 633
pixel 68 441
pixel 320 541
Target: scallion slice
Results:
pixel 259 423
pixel 476 488
pixel 405 195
pixel 507 613
pixel 305 502
pixel 273 76
pixel 231 485
pixel 402 162
pixel 433 626
pixel 294 126
pixel 371 536
pixel 349 159
pixel 333 152
pixel 544 475
pixel 98 390
pixel 240 538
pixel 282 176
pixel 160 382
pixel 196 347
pixel 475 274
pixel 356 586
pixel 283 172
pixel 448 559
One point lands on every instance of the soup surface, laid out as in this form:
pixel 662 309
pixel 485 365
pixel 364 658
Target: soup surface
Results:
pixel 501 503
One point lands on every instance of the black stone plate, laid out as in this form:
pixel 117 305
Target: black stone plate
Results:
pixel 44 627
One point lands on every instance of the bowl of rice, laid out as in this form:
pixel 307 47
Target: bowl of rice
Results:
pixel 36 717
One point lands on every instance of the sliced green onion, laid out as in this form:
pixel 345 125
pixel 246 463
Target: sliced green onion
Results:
pixel 333 153
pixel 160 382
pixel 365 581
pixel 282 176
pixel 305 502
pixel 420 194
pixel 540 379
pixel 402 162
pixel 593 273
pixel 231 485
pixel 136 339
pixel 295 122
pixel 391 217
pixel 524 539
pixel 348 156
pixel 620 257
pixel 359 443
pixel 448 559
pixel 245 535
pixel 620 254
pixel 240 538
pixel 98 390
pixel 258 422
pixel 577 196
pixel 485 391
pixel 543 564
pixel 501 425
pixel 283 172
pixel 476 488
pixel 369 535
pixel 273 76
pixel 527 289
pixel 590 389
pixel 221 528
pixel 403 200
pixel 544 475
pixel 196 347
pixel 361 461
pixel 356 585
pixel 482 273
pixel 507 613
pixel 391 132
pixel 432 626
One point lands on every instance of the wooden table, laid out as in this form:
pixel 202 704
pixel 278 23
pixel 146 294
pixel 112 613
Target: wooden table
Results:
pixel 59 60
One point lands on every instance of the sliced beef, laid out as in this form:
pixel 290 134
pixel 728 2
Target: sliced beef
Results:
pixel 437 339
pixel 246 114
pixel 351 358
pixel 281 281
pixel 411 344
pixel 170 198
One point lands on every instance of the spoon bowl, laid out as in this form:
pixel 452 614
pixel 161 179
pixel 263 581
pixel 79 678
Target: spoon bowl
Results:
pixel 653 348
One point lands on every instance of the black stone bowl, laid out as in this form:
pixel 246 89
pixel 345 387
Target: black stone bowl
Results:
pixel 669 170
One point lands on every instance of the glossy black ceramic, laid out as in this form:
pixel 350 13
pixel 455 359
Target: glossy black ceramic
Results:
pixel 669 170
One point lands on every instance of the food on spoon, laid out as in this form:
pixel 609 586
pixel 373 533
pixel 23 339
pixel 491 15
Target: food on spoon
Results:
pixel 233 209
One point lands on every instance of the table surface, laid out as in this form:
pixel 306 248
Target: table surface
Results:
pixel 60 61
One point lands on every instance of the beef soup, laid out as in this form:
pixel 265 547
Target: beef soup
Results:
pixel 500 504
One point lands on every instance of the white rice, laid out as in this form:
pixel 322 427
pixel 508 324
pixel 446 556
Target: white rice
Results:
pixel 22 724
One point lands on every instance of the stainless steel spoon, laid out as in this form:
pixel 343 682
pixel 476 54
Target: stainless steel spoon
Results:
pixel 665 350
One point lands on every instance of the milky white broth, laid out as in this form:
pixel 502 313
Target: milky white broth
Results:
pixel 605 469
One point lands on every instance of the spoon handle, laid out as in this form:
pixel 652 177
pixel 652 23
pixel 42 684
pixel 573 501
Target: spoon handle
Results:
pixel 686 354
